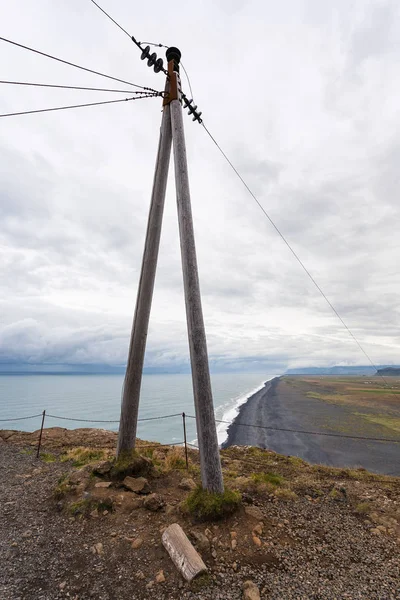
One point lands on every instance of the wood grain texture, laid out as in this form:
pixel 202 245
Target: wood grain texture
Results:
pixel 211 473
pixel 133 376
pixel 186 559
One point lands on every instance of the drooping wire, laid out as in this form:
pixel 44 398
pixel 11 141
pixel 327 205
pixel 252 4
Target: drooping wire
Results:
pixel 66 62
pixel 294 253
pixel 42 110
pixel 69 87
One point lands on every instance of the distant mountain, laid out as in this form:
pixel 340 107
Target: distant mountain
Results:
pixel 389 371
pixel 358 370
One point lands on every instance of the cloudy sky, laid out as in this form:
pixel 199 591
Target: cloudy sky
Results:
pixel 303 95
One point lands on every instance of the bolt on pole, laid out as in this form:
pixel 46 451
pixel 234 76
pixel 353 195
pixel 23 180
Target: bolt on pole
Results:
pixel 210 462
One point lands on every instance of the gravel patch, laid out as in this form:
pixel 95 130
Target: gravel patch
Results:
pixel 310 551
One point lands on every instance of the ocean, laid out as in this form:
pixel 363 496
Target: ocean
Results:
pixel 99 397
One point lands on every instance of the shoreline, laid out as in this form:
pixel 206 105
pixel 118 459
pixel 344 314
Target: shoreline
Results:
pixel 278 406
pixel 249 412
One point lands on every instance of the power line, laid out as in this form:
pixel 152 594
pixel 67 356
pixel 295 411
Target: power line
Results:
pixel 30 112
pixel 69 87
pixel 293 252
pixel 111 19
pixel 66 62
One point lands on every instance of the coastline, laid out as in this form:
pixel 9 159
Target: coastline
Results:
pixel 279 406
pixel 251 411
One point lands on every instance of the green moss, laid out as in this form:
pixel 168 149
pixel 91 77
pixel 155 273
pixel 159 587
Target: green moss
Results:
pixel 270 478
pixel 48 457
pixel 206 506
pixel 84 507
pixel 363 508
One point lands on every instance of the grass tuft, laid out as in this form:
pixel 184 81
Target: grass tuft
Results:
pixel 206 506
pixel 84 456
pixel 268 478
pixel 48 457
pixel 175 460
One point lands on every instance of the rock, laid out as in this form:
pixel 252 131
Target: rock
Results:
pixel 103 468
pixel 103 484
pixel 214 553
pixel 126 502
pixel 170 509
pixel 208 533
pixel 80 477
pixel 233 544
pixel 235 566
pixel 202 540
pixel 381 528
pixel 62 585
pixel 254 512
pixel 94 514
pixel 149 585
pixel 375 531
pixel 160 577
pixel 250 591
pixel 257 541
pixel 139 485
pixel 136 466
pixel 233 535
pixel 136 544
pixel 140 575
pixel 258 529
pixel 154 502
pixel 187 484
pixel 98 548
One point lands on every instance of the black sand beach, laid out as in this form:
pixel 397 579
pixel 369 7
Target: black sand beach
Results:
pixel 282 406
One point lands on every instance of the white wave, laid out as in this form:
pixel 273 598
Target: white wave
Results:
pixel 231 410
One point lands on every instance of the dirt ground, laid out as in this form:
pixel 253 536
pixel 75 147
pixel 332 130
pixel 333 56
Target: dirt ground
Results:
pixel 302 531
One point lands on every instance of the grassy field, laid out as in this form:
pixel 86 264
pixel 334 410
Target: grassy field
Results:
pixel 373 404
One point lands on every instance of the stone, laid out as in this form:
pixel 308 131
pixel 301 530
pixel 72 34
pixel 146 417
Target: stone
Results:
pixel 94 514
pixel 258 529
pixel 80 477
pixel 139 485
pixel 234 544
pixel 126 502
pixel 257 541
pixel 149 585
pixel 137 543
pixel 202 541
pixel 160 577
pixel 137 466
pixel 140 575
pixel 254 512
pixel 233 535
pixel 103 484
pixel 154 502
pixel 98 548
pixel 170 509
pixel 250 591
pixel 381 528
pixel 187 484
pixel 375 531
pixel 62 585
pixel 103 468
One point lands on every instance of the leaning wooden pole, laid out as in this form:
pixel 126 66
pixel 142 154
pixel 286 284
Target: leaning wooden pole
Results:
pixel 133 376
pixel 211 472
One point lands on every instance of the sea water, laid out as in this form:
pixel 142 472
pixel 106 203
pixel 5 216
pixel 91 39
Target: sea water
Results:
pixel 98 397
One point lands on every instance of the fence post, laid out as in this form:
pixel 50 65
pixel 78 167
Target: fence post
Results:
pixel 184 437
pixel 41 432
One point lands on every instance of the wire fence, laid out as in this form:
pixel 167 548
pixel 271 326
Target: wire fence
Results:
pixel 44 415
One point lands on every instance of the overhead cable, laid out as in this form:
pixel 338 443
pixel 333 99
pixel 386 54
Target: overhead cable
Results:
pixel 69 87
pixel 30 112
pixel 293 252
pixel 66 62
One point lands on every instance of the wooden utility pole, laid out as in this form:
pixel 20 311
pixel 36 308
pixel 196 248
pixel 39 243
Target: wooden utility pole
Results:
pixel 210 462
pixel 134 369
pixel 172 129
